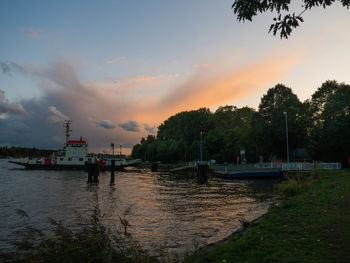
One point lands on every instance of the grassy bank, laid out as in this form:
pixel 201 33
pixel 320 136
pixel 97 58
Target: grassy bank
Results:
pixel 311 226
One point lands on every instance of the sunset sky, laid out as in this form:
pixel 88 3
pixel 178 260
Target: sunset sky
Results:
pixel 118 69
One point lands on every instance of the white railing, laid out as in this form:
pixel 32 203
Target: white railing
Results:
pixel 292 166
pixel 329 166
pixel 269 165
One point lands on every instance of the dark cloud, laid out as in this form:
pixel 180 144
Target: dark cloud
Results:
pixel 6 107
pixel 67 96
pixel 132 126
pixel 6 69
pixel 107 124
pixel 150 129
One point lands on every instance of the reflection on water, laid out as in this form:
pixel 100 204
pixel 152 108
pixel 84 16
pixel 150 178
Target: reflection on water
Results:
pixel 165 210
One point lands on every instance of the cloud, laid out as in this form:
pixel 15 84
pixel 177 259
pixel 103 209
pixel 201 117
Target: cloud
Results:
pixel 11 108
pixel 116 60
pixel 203 66
pixel 56 116
pixel 107 124
pixel 6 69
pixel 132 126
pixel 150 129
pixel 30 32
pixel 220 83
pixel 139 99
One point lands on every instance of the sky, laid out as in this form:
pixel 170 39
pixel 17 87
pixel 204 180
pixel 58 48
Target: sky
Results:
pixel 118 69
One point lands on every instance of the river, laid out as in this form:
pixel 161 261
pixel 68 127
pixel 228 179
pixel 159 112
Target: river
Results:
pixel 166 210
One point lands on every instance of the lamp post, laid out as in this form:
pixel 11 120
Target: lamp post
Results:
pixel 120 150
pixel 112 145
pixel 286 119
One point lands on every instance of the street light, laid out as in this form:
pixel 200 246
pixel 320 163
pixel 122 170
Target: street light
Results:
pixel 286 118
pixel 112 145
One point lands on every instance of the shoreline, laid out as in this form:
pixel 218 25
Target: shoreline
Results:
pixel 309 226
pixel 239 230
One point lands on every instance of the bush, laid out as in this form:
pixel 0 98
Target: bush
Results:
pixel 294 185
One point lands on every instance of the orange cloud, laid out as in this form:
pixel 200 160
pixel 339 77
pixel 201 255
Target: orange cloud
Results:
pixel 218 85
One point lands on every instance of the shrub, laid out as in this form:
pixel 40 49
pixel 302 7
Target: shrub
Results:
pixel 294 185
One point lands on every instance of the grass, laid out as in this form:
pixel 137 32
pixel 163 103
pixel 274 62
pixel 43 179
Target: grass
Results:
pixel 311 225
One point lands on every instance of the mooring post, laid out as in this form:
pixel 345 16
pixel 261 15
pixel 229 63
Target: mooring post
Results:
pixel 154 167
pixel 95 172
pixel 88 166
pixel 202 173
pixel 112 172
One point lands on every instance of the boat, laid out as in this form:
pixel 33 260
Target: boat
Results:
pixel 74 156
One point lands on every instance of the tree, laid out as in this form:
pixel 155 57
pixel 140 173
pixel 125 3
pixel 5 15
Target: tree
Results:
pixel 186 125
pixel 316 108
pixel 336 125
pixel 330 110
pixel 247 9
pixel 278 100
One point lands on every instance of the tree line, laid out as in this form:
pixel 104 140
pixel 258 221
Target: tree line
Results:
pixel 18 152
pixel 320 125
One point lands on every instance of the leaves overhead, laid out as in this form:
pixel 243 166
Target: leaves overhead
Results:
pixel 283 23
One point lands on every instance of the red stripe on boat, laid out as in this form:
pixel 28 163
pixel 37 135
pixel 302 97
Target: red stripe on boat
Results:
pixel 76 142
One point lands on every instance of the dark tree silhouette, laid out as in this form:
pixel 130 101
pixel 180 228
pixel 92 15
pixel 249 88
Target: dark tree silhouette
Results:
pixel 284 24
pixel 319 124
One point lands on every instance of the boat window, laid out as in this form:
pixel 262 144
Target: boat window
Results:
pixel 61 159
pixel 80 159
pixel 69 159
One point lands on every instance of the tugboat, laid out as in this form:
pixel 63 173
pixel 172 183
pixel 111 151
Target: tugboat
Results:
pixel 73 156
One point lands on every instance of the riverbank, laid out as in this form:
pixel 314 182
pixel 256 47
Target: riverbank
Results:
pixel 313 226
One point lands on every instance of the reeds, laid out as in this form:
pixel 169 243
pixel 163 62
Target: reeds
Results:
pixel 91 242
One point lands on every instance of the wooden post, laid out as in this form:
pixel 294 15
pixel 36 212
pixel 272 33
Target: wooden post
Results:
pixel 88 166
pixel 202 173
pixel 112 172
pixel 154 167
pixel 95 172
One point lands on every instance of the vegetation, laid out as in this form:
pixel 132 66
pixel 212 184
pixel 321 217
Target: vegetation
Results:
pixel 91 242
pixel 246 10
pixel 312 226
pixel 295 185
pixel 17 152
pixel 319 124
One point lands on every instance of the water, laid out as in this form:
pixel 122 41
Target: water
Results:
pixel 166 210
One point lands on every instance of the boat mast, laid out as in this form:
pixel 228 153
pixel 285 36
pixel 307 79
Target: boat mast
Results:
pixel 68 130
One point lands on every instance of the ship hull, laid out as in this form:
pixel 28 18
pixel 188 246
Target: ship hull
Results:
pixel 30 166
